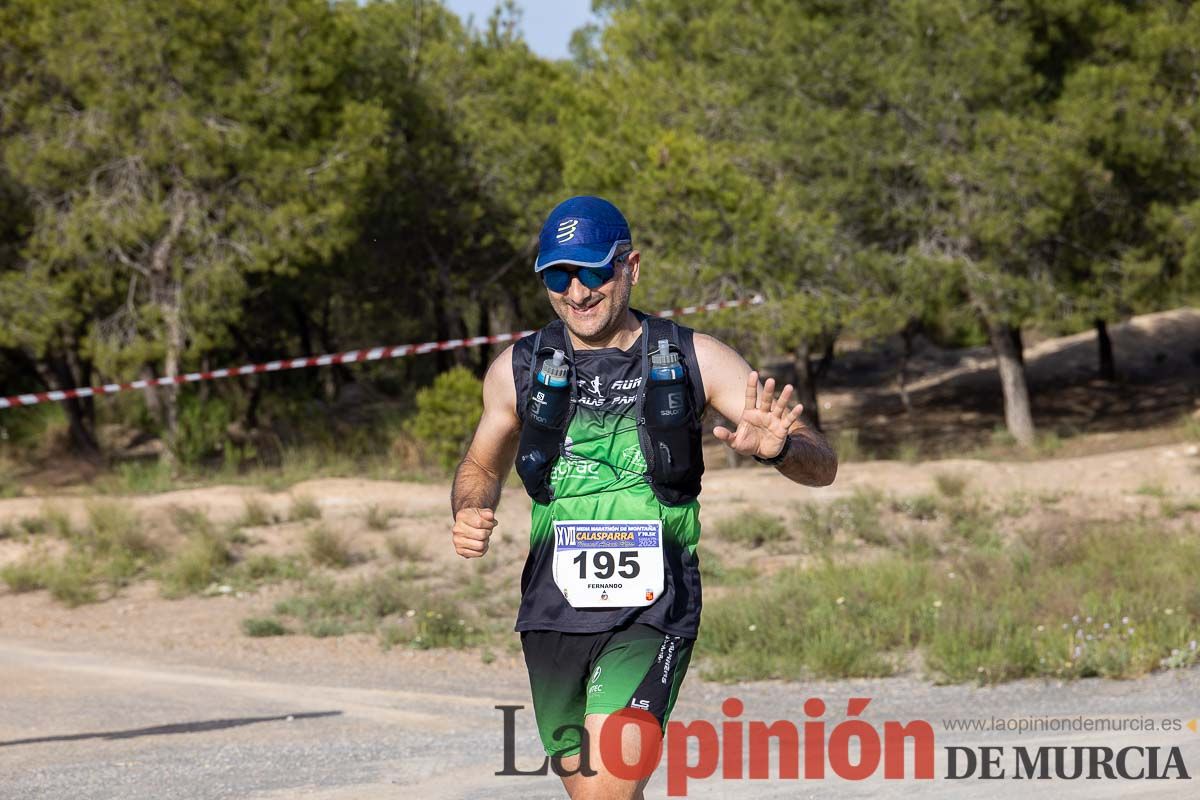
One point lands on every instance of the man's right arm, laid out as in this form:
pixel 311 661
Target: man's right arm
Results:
pixel 479 477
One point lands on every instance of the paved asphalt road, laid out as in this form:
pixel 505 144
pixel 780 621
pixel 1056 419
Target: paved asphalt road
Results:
pixel 83 725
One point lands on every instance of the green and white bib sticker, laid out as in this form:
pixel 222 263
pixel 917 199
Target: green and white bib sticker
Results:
pixel 609 563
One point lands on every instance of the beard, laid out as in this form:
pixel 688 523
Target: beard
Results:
pixel 605 309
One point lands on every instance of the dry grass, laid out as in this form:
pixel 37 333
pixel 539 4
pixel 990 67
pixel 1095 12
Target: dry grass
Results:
pixel 304 507
pixel 326 548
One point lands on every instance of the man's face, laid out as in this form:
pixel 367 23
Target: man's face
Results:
pixel 592 313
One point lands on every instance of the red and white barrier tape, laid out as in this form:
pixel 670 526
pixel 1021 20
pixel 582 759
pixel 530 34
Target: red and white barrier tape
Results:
pixel 349 357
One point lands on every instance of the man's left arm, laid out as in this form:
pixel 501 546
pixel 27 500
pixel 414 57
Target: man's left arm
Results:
pixel 766 426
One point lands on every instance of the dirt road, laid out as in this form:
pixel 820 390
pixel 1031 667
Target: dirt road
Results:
pixel 100 725
pixel 140 697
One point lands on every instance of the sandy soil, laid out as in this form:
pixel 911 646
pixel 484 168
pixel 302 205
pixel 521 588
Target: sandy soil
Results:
pixel 957 403
pixel 140 696
pixel 1108 485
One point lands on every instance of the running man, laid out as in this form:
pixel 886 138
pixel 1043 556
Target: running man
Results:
pixel 601 412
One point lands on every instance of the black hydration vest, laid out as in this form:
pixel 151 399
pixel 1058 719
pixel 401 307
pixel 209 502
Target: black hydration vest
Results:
pixel 673 455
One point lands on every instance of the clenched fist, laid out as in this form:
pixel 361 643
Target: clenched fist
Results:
pixel 472 529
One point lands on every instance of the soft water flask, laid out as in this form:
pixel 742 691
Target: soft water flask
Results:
pixel 666 404
pixel 549 399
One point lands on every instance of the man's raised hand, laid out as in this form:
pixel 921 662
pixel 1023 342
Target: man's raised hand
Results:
pixel 472 529
pixel 765 421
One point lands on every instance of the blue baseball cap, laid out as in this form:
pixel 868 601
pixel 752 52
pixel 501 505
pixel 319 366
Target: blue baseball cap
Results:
pixel 584 231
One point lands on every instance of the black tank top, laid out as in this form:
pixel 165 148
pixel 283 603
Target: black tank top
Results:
pixel 601 478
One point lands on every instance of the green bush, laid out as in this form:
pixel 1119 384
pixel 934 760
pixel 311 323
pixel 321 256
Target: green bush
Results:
pixel 138 477
pixel 23 576
pixel 858 515
pixel 117 529
pixel 919 507
pixel 255 513
pixel 1113 600
pixel 263 568
pixel 753 528
pixel 446 416
pixel 70 580
pixel 201 562
pixel 33 525
pixel 263 626
pixel 379 518
pixel 326 548
pixel 403 550
pixel 328 609
pixel 202 425
pixel 304 507
pixel 950 485
pixel 25 428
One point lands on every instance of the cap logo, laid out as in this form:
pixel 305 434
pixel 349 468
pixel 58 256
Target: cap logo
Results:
pixel 566 230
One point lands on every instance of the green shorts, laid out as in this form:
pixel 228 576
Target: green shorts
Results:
pixel 572 675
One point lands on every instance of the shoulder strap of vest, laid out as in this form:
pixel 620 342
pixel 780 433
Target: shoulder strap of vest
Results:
pixel 687 349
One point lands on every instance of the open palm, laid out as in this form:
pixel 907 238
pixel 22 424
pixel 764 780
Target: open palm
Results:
pixel 765 421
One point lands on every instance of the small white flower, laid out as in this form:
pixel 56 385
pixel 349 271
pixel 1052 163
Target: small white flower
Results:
pixel 1107 626
pixel 1078 650
pixel 937 603
pixel 1089 620
pixel 1124 620
pixel 753 628
pixel 1074 618
pixel 1041 628
pixel 412 612
pixel 840 600
pixel 1168 611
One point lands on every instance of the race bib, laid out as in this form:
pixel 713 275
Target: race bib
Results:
pixel 608 564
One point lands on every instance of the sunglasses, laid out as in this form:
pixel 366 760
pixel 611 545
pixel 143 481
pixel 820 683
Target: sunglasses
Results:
pixel 557 280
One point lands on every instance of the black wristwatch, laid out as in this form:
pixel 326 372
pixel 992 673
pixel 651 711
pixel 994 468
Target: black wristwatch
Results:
pixel 777 459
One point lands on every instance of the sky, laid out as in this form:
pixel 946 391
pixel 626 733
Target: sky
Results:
pixel 547 24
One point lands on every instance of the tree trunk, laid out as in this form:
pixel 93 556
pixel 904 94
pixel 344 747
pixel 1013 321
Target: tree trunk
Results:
pixel 69 373
pixel 330 377
pixel 172 311
pixel 822 366
pixel 485 325
pixel 166 291
pixel 154 401
pixel 204 388
pixel 303 328
pixel 251 415
pixel 806 384
pixel 1108 367
pixel 1017 416
pixel 1018 343
pixel 908 334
